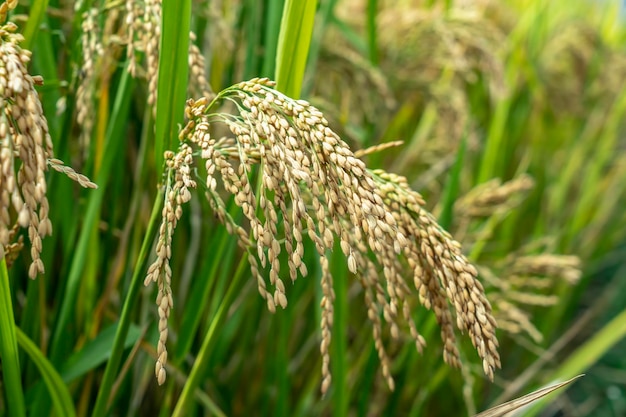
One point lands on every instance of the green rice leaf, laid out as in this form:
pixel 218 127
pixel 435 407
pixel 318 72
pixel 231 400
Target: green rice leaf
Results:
pixel 12 381
pixel 61 398
pixel 294 39
pixel 173 75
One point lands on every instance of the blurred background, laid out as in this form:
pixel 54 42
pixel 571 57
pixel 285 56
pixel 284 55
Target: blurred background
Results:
pixel 527 98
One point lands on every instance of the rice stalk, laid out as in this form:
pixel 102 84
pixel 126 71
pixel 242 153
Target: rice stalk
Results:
pixel 312 185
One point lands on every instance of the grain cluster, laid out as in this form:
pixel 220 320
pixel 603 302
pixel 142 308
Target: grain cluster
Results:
pixel 294 179
pixel 25 150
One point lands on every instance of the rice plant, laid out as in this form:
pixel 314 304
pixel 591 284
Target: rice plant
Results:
pixel 421 215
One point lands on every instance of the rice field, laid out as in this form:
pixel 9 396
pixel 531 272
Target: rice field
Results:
pixel 303 208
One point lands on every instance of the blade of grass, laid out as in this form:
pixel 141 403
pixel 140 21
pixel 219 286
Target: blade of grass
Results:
pixel 173 75
pixel 61 398
pixel 604 150
pixel 296 29
pixel 8 348
pixel 530 372
pixel 427 122
pixel 199 366
pixel 492 163
pixel 324 17
pixel 96 352
pixel 598 156
pixel 113 364
pixel 253 15
pixel 272 30
pixel 504 409
pixel 354 39
pixel 372 34
pixel 35 17
pixel 585 356
pixel 451 189
pixel 366 382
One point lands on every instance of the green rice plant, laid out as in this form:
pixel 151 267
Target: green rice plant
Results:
pixel 8 349
pixel 237 197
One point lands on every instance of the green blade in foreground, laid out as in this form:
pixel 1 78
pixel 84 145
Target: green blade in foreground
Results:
pixel 96 352
pixel 8 348
pixel 173 75
pixel 61 398
pixel 37 12
pixel 520 402
pixel 452 187
pixel 124 323
pixel 296 29
pixel 588 354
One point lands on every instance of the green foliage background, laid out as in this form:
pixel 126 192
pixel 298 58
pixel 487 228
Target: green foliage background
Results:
pixel 476 90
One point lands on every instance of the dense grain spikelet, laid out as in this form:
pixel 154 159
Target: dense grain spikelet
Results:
pixel 92 51
pixel 311 185
pixel 177 193
pixel 526 280
pixel 492 199
pixel 134 25
pixel 81 179
pixel 25 149
pixel 198 83
pixel 520 280
pixel 493 196
pixel 143 31
pixel 562 267
pixel 377 148
pixel 143 26
pixel 150 40
pixel 12 250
